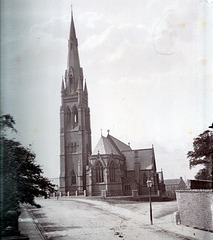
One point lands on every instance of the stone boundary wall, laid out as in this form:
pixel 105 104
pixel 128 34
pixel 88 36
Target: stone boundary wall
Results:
pixel 196 208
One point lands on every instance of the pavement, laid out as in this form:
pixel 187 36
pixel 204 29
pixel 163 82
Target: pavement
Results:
pixel 167 224
pixel 30 226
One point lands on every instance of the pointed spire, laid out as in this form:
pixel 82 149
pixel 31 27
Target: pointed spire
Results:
pixel 85 88
pixel 72 27
pixel 80 85
pixel 74 71
pixel 62 84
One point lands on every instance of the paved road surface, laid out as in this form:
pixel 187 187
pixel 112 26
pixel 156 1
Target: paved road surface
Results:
pixel 80 219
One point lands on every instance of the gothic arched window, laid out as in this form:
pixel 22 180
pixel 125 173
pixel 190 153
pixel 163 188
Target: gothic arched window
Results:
pixel 112 172
pixel 99 172
pixel 68 115
pixel 73 177
pixel 75 147
pixel 69 148
pixel 75 116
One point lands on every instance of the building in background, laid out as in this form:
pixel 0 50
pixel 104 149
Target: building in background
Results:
pixel 199 184
pixel 171 185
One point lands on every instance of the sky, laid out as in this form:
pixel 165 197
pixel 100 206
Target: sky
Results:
pixel 148 67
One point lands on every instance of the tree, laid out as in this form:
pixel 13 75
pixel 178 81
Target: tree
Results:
pixel 21 177
pixel 202 154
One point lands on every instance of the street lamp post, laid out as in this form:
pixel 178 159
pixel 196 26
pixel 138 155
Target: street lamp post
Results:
pixel 149 185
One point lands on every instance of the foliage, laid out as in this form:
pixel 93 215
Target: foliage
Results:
pixel 21 177
pixel 202 154
pixel 6 121
pixel 203 174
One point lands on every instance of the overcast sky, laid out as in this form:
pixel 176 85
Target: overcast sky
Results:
pixel 148 67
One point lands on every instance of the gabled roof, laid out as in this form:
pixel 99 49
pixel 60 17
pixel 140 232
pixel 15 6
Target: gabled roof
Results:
pixel 104 146
pixel 145 159
pixel 109 145
pixel 172 181
pixel 120 145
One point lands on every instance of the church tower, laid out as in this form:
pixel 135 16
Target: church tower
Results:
pixel 75 132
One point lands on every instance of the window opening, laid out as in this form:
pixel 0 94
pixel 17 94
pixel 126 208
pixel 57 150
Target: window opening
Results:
pixel 75 115
pixel 144 178
pixel 99 173
pixel 127 187
pixel 73 177
pixel 112 172
pixel 68 117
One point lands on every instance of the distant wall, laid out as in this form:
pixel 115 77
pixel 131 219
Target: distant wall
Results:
pixel 196 208
pixel 200 184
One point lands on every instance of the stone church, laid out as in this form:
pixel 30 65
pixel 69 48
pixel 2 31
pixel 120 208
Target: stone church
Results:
pixel 112 167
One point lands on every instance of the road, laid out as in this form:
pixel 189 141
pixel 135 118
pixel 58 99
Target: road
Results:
pixel 86 219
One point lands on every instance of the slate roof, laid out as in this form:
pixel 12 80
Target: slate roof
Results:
pixel 145 159
pixel 109 145
pixel 172 181
pixel 121 146
pixel 104 146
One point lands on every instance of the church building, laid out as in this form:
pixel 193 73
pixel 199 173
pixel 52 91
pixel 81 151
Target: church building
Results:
pixel 112 167
pixel 75 132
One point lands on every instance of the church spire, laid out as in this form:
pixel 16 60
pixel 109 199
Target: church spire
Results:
pixel 85 88
pixel 62 85
pixel 74 73
pixel 75 131
pixel 72 27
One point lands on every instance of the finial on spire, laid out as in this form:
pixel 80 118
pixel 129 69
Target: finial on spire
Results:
pixel 101 132
pixel 62 84
pixel 71 10
pixel 108 131
pixel 85 88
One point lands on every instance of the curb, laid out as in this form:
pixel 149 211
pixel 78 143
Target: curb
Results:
pixel 34 223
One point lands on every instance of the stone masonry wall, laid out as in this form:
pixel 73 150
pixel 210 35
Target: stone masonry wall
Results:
pixel 196 208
